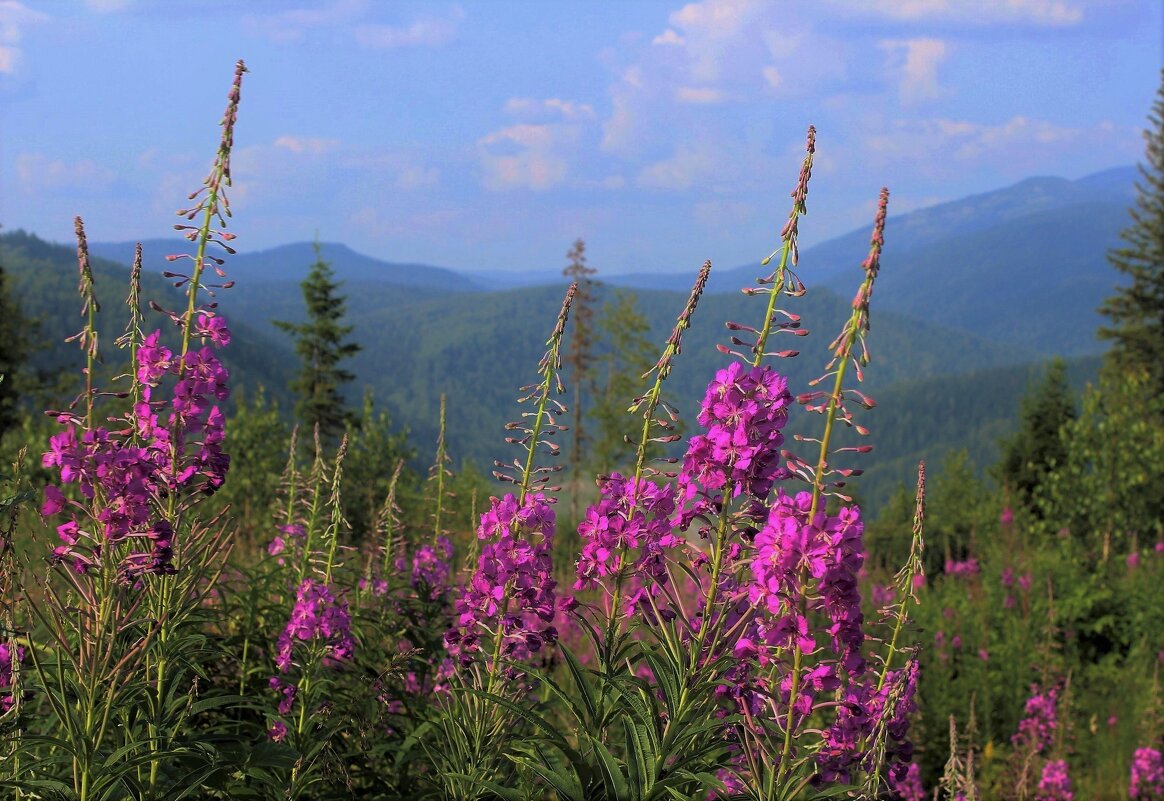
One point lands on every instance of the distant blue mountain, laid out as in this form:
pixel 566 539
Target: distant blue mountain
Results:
pixel 290 263
pixel 1025 265
pixel 930 226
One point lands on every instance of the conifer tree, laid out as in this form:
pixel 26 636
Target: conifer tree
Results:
pixel 13 352
pixel 1136 311
pixel 630 354
pixel 1037 448
pixel 579 355
pixel 321 344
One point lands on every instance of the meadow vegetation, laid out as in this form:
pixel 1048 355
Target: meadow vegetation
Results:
pixel 203 598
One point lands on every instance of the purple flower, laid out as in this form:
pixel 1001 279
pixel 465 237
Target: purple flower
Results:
pixel 631 520
pixel 278 731
pixel 430 567
pixel 1055 783
pixel 790 550
pixel 1037 729
pixel 743 412
pixel 8 668
pixel 964 569
pixel 154 360
pixel 125 474
pixel 510 595
pixel 318 616
pixel 1147 781
pixel 214 328
pixel 908 784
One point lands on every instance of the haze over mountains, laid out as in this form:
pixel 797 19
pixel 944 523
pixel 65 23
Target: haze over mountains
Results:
pixel 986 285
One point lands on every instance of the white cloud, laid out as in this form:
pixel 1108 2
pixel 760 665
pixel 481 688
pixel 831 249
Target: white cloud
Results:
pixel 417 177
pixel 292 25
pixel 306 144
pixel 14 18
pixel 700 95
pixel 715 19
pixel 422 32
pixel 942 147
pixel 668 37
pixel 36 173
pixel 107 6
pixel 772 77
pixel 915 62
pixel 1050 13
pixel 526 156
pixel 528 107
pixel 691 164
pixel 622 131
pixel 710 29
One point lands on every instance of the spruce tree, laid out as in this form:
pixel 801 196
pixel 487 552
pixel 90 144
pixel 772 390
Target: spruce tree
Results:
pixel 321 344
pixel 13 352
pixel 1037 448
pixel 1136 311
pixel 629 356
pixel 579 356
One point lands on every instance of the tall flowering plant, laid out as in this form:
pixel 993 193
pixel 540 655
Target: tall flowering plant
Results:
pixel 503 615
pixel 135 558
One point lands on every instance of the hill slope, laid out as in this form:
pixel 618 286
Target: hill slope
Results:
pixel 44 277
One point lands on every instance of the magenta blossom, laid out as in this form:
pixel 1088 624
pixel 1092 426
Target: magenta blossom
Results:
pixel 743 412
pixel 1055 783
pixel 1147 780
pixel 510 596
pixel 318 616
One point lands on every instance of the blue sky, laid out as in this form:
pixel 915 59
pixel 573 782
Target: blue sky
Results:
pixel 490 135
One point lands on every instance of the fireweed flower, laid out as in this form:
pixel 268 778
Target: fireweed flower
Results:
pixel 963 569
pixel 431 568
pixel 827 549
pixel 631 519
pixel 909 786
pixel 319 617
pixel 1055 783
pixel 743 410
pixel 863 711
pixel 8 666
pixel 1147 780
pixel 1037 729
pixel 510 596
pixel 124 473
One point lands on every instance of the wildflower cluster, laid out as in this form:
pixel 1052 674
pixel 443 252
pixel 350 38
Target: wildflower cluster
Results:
pixel 318 617
pixel 8 669
pixel 1147 779
pixel 510 596
pixel 743 411
pixel 1037 730
pixel 431 567
pixel 629 515
pixel 1055 783
pixel 790 549
pixel 166 450
pixel 908 785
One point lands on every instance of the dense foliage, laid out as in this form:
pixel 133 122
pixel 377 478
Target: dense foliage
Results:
pixel 1136 312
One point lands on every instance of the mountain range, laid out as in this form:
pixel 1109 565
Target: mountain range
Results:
pixel 974 292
